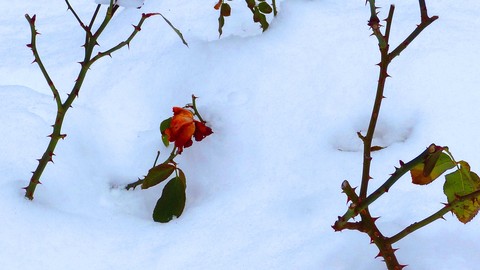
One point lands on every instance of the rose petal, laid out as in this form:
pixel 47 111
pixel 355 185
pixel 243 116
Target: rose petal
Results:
pixel 201 131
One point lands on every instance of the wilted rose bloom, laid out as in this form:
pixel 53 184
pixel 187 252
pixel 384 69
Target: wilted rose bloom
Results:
pixel 183 127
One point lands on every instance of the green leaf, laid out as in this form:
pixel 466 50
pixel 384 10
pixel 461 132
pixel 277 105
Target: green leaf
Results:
pixel 435 165
pixel 172 201
pixel 165 124
pixel 460 183
pixel 157 174
pixel 260 18
pixel 180 35
pixel 265 8
pixel 225 10
pixel 165 140
pixel 182 177
pixel 221 23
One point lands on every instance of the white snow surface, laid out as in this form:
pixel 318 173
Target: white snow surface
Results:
pixel 123 3
pixel 285 106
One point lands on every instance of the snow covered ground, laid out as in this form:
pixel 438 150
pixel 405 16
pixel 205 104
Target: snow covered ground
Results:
pixel 285 107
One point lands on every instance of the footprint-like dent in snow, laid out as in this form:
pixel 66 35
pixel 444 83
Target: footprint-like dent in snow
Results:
pixel 387 133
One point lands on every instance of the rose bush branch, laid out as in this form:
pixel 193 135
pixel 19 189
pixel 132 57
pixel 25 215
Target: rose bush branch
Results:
pixel 437 215
pixel 360 202
pixel 355 209
pixel 62 107
pixel 385 59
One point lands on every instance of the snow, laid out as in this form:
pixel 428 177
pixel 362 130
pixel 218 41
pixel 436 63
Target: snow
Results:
pixel 122 3
pixel 285 107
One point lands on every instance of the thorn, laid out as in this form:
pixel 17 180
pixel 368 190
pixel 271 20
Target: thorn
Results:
pixel 386 190
pixel 34 61
pixel 401 163
pixel 378 255
pixel 137 28
pixel 375 219
pixel 25 188
pixel 29 45
pixel 35 181
pixel 401 266
pixel 336 229
pixel 149 14
pixel 359 134
pixel 62 136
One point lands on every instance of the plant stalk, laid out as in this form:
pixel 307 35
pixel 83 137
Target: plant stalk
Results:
pixel 62 108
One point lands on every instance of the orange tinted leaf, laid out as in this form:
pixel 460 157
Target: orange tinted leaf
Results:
pixel 442 163
pixel 431 160
pixel 217 5
pixel 376 148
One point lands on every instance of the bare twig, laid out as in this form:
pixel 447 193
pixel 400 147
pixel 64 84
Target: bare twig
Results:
pixel 62 108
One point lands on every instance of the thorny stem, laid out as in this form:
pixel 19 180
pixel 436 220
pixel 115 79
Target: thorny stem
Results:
pixel 363 204
pixel 385 248
pixel 62 108
pixel 368 226
pixel 411 37
pixel 360 203
pixel 137 29
pixel 94 16
pixel 33 46
pixel 437 215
